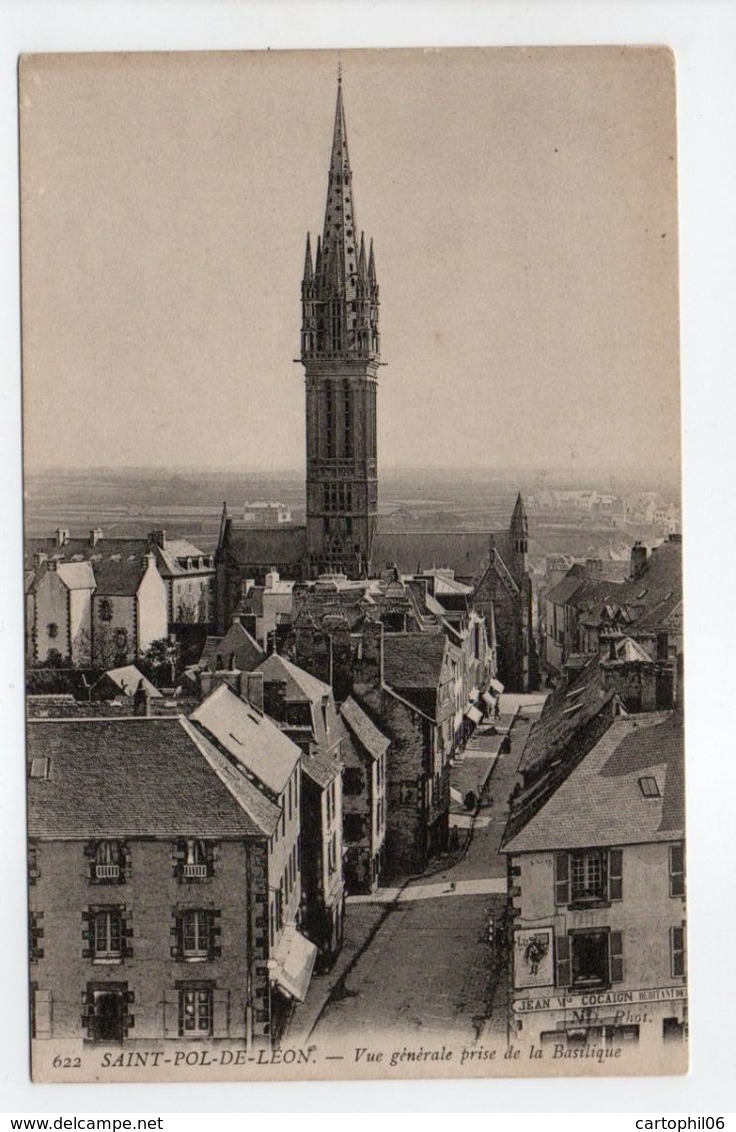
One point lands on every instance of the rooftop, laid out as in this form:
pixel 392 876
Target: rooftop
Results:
pixel 248 737
pixel 134 777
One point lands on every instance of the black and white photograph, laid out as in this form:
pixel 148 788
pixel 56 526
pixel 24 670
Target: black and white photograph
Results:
pixel 353 536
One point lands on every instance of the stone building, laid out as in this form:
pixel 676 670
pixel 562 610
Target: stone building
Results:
pixel 340 352
pixel 365 754
pixel 596 862
pixel 152 860
pixel 304 708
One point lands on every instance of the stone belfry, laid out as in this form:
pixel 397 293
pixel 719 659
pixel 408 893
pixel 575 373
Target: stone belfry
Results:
pixel 340 352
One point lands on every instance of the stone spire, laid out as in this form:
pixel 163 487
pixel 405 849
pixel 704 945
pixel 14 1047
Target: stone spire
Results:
pixel 340 292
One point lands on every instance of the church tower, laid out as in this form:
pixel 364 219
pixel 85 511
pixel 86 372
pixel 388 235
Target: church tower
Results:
pixel 340 350
pixel 519 540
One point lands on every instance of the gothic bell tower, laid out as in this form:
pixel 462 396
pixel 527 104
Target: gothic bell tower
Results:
pixel 340 351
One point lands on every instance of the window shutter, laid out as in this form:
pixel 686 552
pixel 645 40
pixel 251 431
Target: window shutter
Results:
pixel 88 928
pixel 615 874
pixel 43 1013
pixel 214 931
pixel 677 952
pixel 221 1014
pixel 177 931
pixel 562 878
pixel 562 957
pixel 172 1027
pixel 127 935
pixel 677 870
pixel 616 957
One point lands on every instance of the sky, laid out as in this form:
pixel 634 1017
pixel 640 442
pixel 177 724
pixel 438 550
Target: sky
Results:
pixel 523 208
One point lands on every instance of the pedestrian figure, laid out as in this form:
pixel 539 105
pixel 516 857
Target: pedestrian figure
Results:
pixel 453 886
pixel 497 708
pixel 490 800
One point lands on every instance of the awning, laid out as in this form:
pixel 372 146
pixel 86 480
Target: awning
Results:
pixel 497 686
pixel 294 963
pixel 474 714
pixel 489 699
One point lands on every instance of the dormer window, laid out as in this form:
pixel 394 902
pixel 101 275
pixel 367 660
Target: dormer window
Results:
pixel 194 859
pixel 107 862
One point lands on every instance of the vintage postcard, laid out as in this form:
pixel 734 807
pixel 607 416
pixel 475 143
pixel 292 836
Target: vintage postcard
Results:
pixel 354 662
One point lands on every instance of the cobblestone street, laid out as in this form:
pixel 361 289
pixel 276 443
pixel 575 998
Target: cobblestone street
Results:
pixel 417 960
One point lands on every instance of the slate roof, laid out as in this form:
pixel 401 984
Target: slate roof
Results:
pixel 134 777
pixel 118 579
pixel 465 552
pixel 413 660
pixel 126 549
pixel 76 575
pixel 566 712
pixel 238 642
pixel 300 685
pixel 321 768
pixel 564 590
pixel 363 729
pixel 267 546
pixel 249 737
pixel 127 678
pixel 601 801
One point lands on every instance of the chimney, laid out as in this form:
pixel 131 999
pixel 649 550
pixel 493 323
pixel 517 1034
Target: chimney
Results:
pixel 274 695
pixel 52 564
pixel 95 536
pixel 39 558
pixel 62 536
pixel 158 538
pixel 254 689
pixel 639 555
pixel 368 669
pixel 149 560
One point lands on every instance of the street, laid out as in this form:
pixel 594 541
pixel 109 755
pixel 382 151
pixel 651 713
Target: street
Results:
pixel 417 959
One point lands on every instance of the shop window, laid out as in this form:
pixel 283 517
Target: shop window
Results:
pixel 106 1016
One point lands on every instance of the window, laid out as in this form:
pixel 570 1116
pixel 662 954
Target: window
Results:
pixel 195 1012
pixel 649 787
pixel 332 854
pixel 589 876
pixel 677 869
pixel 194 859
pixel 53 630
pixel 105 609
pixel 352 780
pixel 354 827
pixel 35 936
pixel 107 860
pixel 677 952
pixel 34 871
pixel 196 934
pixel 107 942
pixel 121 640
pixel 589 959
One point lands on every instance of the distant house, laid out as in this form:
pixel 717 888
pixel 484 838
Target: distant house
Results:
pixel 62 617
pixel 365 752
pixel 128 609
pixel 236 650
pixel 125 681
pixel 304 707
